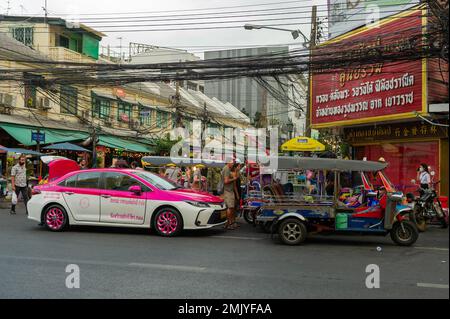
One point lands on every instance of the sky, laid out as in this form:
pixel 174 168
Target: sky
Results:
pixel 193 41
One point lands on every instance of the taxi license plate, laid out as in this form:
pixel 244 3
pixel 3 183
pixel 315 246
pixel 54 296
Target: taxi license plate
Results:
pixel 223 214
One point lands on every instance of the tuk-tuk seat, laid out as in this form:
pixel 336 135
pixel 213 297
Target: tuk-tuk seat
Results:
pixel 372 212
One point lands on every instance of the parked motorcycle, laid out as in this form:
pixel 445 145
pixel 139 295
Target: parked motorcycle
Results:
pixel 428 209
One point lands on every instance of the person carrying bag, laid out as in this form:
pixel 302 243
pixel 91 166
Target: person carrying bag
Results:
pixel 19 183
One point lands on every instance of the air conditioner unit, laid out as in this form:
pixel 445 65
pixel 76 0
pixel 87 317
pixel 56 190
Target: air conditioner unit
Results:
pixel 44 103
pixel 7 100
pixel 134 125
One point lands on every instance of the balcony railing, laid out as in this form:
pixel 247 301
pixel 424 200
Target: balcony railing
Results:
pixel 65 55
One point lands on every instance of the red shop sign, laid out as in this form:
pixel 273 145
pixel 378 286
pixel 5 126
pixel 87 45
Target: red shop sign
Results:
pixel 364 93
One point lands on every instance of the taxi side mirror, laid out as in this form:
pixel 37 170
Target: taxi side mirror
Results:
pixel 135 189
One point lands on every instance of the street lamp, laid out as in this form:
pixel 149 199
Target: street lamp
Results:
pixel 307 44
pixel 120 38
pixel 295 33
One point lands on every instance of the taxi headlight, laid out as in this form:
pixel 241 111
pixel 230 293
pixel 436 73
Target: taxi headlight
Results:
pixel 198 204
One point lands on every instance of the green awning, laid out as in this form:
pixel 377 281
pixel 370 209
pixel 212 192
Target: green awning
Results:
pixel 22 134
pixel 146 141
pixel 123 144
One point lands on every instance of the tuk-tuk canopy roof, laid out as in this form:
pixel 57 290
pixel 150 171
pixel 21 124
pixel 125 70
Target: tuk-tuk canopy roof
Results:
pixel 287 162
pixel 277 163
pixel 179 161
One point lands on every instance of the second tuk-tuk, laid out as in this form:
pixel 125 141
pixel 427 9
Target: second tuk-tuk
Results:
pixel 295 215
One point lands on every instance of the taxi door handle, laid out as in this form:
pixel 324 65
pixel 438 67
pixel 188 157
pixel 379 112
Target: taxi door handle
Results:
pixel 69 193
pixel 106 196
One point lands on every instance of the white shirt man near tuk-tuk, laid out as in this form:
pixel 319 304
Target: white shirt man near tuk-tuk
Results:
pixel 19 182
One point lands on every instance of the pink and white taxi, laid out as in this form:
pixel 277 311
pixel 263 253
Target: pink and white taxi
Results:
pixel 123 198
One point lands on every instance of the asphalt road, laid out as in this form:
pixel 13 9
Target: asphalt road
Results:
pixel 242 264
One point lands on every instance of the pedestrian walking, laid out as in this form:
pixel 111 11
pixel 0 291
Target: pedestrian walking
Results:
pixel 237 190
pixel 229 179
pixel 19 182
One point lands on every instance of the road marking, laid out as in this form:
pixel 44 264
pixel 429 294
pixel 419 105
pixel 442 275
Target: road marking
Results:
pixel 438 286
pixel 168 267
pixel 240 238
pixel 432 248
pixel 106 263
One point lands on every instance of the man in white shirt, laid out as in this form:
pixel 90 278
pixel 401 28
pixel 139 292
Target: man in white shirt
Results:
pixel 19 181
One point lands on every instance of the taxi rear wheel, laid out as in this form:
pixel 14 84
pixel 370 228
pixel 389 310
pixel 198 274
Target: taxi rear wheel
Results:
pixel 168 222
pixel 55 218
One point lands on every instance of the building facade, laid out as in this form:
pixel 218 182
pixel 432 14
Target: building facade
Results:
pixel 124 120
pixel 387 109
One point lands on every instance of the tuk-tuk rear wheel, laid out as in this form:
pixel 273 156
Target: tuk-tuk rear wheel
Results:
pixel 404 233
pixel 292 231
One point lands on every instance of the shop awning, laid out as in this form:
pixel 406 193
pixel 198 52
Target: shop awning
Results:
pixel 66 147
pixel 303 144
pixel 22 134
pixel 146 141
pixel 18 151
pixel 123 144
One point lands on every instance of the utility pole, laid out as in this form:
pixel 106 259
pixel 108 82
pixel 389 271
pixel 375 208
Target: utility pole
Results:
pixel 312 44
pixel 94 148
pixel 204 125
pixel 8 7
pixel 45 10
pixel 38 149
pixel 176 104
pixel 263 119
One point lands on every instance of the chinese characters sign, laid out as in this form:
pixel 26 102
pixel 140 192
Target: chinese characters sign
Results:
pixel 394 132
pixel 362 93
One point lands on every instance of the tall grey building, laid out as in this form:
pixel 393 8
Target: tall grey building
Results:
pixel 245 93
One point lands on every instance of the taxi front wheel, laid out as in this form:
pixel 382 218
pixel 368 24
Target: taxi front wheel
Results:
pixel 168 222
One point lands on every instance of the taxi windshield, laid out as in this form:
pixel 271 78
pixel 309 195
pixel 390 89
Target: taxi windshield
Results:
pixel 158 181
